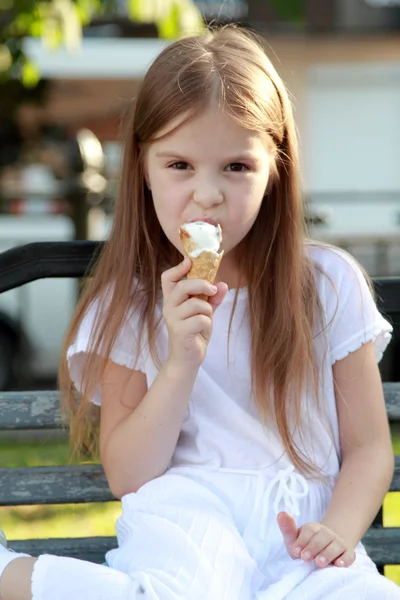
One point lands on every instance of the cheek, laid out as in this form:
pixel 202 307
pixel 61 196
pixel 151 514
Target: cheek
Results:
pixel 245 208
pixel 248 201
pixel 168 208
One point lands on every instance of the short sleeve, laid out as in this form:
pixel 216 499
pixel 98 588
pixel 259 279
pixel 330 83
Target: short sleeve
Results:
pixel 125 350
pixel 351 314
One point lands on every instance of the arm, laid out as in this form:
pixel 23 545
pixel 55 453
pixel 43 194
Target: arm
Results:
pixel 366 469
pixel 139 428
pixel 367 455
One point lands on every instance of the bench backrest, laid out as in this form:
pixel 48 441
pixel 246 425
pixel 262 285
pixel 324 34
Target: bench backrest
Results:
pixel 40 410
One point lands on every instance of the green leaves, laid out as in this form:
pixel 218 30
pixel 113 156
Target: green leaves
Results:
pixel 55 21
pixel 174 18
pixel 289 10
pixel 60 22
pixel 30 74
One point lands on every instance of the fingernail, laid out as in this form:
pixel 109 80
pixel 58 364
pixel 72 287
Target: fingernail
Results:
pixel 307 555
pixel 321 560
pixel 341 563
pixel 297 551
pixel 214 289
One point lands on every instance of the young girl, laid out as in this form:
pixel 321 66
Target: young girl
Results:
pixel 246 436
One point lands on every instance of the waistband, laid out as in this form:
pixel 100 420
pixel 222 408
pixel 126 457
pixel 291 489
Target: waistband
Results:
pixel 284 487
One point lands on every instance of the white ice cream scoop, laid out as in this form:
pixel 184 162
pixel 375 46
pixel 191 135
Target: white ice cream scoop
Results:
pixel 199 237
pixel 201 241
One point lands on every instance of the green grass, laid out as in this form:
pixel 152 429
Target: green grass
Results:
pixel 67 520
pixel 81 520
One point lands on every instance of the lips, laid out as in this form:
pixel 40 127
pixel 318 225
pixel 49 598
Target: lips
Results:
pixel 204 220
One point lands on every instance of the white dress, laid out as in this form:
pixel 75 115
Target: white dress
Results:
pixel 206 529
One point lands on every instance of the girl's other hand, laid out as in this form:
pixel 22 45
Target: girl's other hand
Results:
pixel 189 319
pixel 314 541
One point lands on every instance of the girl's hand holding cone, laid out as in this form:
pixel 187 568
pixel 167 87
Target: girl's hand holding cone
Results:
pixel 187 315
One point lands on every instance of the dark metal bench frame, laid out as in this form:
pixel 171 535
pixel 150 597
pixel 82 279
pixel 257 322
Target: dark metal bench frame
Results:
pixel 87 483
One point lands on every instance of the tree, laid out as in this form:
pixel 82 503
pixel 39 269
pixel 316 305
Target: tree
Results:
pixel 61 21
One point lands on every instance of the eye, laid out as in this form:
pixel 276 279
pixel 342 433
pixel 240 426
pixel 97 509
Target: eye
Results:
pixel 179 165
pixel 237 167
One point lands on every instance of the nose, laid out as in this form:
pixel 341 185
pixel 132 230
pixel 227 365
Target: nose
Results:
pixel 207 194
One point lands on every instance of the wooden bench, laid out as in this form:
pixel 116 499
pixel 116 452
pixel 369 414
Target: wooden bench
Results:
pixel 39 410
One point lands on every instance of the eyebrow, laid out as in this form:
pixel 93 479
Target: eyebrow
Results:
pixel 237 157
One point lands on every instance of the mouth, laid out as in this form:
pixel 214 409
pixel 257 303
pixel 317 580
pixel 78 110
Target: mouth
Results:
pixel 205 220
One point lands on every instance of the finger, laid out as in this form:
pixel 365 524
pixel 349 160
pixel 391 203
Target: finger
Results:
pixel 186 288
pixel 346 559
pixel 321 540
pixel 306 533
pixel 170 278
pixel 222 290
pixel 329 554
pixel 289 530
pixel 195 325
pixel 194 306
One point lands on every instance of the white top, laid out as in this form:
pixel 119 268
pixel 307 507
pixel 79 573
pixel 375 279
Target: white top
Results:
pixel 221 427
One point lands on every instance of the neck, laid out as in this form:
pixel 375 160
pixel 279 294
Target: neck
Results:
pixel 228 273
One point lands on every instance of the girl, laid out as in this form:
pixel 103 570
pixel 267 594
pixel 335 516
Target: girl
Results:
pixel 246 436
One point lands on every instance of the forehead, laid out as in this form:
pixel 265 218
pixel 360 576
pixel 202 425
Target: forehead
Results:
pixel 213 128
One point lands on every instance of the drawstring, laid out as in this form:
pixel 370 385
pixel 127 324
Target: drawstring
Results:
pixel 288 482
pixel 291 487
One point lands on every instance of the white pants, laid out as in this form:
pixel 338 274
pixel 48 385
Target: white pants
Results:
pixel 198 535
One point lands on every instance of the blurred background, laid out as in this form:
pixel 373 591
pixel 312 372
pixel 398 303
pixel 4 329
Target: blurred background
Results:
pixel 68 70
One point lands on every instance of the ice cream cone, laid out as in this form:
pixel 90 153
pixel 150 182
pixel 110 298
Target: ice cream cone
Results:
pixel 205 265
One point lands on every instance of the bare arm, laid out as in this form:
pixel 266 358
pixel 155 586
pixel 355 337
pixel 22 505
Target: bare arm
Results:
pixel 139 447
pixel 139 428
pixel 367 455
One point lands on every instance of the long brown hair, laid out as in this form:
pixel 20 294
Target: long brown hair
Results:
pixel 227 65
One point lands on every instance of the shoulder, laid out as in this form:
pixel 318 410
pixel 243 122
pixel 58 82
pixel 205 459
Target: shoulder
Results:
pixel 332 260
pixel 335 269
pixel 344 287
pixel 348 302
pixel 106 309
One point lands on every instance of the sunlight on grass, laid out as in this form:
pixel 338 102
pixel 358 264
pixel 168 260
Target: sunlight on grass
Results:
pixel 391 518
pixel 391 508
pixel 49 521
pixel 68 520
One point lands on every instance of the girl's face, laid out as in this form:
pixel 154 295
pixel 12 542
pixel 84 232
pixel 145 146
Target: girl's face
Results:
pixel 208 166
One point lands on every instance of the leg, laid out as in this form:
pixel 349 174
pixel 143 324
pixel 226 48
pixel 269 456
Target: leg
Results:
pixel 361 581
pixel 15 583
pixel 181 540
pixel 355 582
pixel 61 578
pixel 177 540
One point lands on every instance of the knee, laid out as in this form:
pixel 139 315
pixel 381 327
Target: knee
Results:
pixel 15 581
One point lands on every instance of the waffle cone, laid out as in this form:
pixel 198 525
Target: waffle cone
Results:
pixel 205 267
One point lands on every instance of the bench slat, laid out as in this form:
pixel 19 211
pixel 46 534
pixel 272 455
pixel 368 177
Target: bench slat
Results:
pixel 382 544
pixel 392 399
pixel 30 410
pixel 39 260
pixel 92 549
pixel 41 409
pixel 54 485
pixel 73 484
